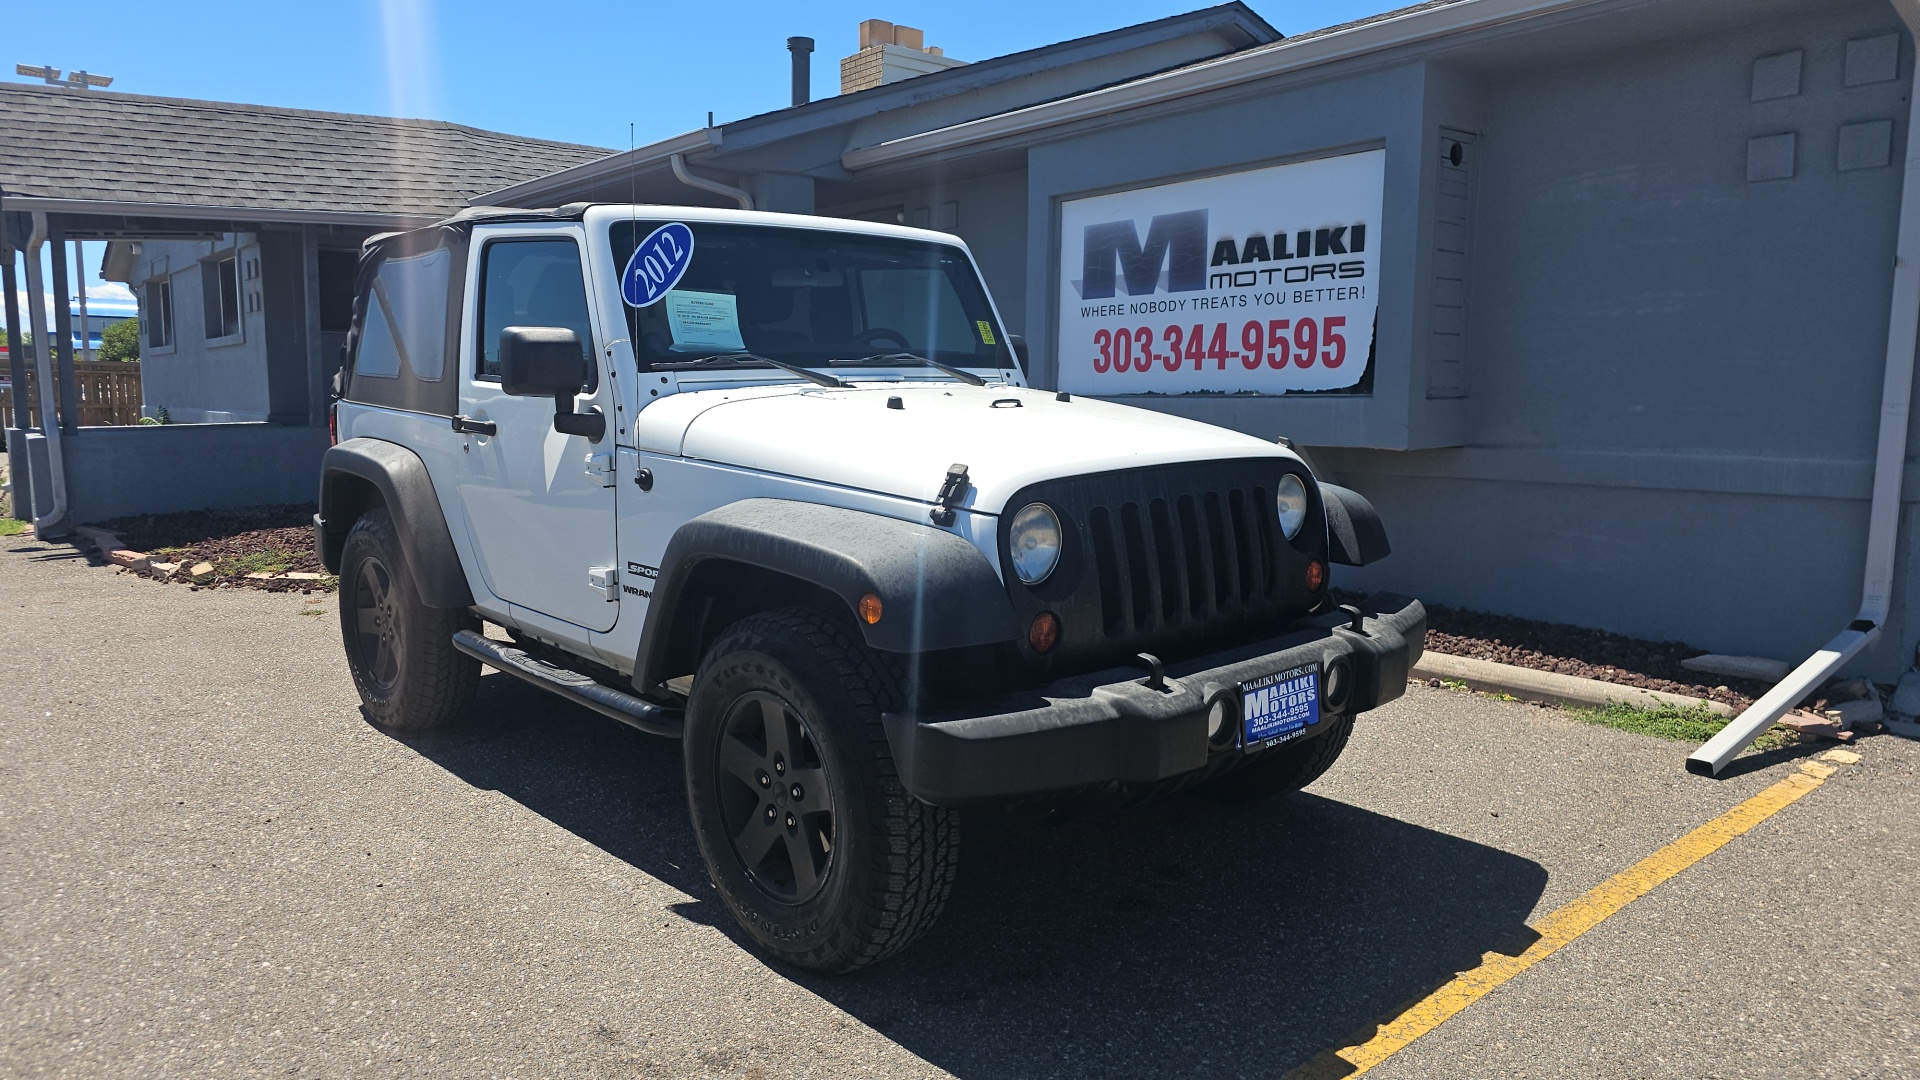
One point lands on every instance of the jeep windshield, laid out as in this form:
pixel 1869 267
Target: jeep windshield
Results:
pixel 757 295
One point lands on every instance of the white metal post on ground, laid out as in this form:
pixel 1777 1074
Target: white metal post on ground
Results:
pixel 86 327
pixel 1883 522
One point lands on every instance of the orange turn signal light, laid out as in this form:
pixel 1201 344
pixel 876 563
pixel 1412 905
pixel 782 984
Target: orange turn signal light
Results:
pixel 1316 575
pixel 870 608
pixel 1043 633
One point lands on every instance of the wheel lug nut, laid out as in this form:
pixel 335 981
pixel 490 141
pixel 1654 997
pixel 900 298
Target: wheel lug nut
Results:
pixel 770 813
pixel 765 780
pixel 790 822
pixel 796 791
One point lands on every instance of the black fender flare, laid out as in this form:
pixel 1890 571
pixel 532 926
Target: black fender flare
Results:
pixel 406 490
pixel 1355 536
pixel 937 591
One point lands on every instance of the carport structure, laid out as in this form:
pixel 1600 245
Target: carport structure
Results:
pixel 259 213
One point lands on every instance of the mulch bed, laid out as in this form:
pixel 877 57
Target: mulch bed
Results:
pixel 276 539
pixel 1573 650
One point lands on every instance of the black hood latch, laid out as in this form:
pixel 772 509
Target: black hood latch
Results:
pixel 952 490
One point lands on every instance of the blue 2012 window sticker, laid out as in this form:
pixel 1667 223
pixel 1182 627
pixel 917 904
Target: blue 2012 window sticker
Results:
pixel 657 264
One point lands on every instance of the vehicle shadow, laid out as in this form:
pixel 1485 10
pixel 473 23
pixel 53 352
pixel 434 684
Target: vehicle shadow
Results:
pixel 1179 938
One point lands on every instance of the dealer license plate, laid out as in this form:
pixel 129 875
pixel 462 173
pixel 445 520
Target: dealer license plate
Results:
pixel 1280 706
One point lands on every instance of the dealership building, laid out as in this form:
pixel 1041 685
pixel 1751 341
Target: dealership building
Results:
pixel 1592 298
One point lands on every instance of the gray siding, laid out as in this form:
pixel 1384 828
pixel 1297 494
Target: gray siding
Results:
pixel 1675 371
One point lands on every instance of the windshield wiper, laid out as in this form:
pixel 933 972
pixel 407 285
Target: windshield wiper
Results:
pixel 960 373
pixel 820 377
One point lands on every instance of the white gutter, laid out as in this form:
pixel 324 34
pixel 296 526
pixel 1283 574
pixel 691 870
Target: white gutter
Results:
pixel 1283 56
pixel 612 167
pixel 45 524
pixel 1883 521
pixel 680 171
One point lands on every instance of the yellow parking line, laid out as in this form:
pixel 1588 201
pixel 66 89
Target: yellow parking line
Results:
pixel 1568 923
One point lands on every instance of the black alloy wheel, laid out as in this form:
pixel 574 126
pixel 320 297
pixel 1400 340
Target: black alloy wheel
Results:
pixel 775 800
pixel 376 623
pixel 399 649
pixel 796 803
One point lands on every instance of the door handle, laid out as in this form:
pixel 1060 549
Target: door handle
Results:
pixel 467 425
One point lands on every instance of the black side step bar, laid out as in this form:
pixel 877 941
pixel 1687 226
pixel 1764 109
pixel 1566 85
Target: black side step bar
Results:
pixel 571 685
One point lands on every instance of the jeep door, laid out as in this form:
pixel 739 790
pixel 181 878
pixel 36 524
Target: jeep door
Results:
pixel 539 503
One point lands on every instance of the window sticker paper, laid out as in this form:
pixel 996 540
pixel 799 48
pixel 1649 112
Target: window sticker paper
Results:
pixel 704 320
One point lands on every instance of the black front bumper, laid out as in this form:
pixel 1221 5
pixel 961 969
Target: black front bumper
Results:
pixel 1111 726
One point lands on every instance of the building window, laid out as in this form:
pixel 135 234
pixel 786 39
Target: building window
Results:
pixel 160 314
pixel 220 290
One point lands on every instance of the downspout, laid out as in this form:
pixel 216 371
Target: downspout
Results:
pixel 680 170
pixel 1883 522
pixel 44 524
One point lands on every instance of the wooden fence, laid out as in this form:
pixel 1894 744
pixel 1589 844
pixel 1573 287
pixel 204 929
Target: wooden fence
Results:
pixel 109 394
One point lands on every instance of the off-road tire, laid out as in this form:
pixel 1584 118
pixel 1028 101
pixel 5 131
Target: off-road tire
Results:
pixel 421 681
pixel 1281 770
pixel 891 858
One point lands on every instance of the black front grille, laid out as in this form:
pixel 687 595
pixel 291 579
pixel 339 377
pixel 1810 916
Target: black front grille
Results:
pixel 1172 559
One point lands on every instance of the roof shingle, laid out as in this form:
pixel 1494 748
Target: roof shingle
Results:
pixel 125 148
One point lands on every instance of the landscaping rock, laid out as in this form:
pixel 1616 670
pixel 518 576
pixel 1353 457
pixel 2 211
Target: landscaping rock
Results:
pixel 1857 714
pixel 1852 690
pixel 1757 668
pixel 132 560
pixel 200 569
pixel 102 539
pixel 298 575
pixel 1814 724
pixel 260 576
pixel 1906 696
pixel 1580 652
pixel 162 570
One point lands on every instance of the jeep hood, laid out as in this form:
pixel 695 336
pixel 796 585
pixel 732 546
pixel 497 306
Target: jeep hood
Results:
pixel 1007 436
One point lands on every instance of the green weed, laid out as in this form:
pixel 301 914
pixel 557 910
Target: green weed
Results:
pixel 12 526
pixel 254 562
pixel 1690 723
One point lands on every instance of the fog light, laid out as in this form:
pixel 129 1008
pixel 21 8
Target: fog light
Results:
pixel 1043 633
pixel 1316 575
pixel 870 608
pixel 1338 686
pixel 1222 717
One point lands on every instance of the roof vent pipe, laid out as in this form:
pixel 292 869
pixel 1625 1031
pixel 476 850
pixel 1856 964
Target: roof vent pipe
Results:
pixel 802 50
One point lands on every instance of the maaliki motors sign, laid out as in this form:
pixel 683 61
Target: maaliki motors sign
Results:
pixel 1261 281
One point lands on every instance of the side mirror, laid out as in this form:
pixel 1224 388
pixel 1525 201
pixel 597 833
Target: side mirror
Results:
pixel 542 361
pixel 549 361
pixel 1019 346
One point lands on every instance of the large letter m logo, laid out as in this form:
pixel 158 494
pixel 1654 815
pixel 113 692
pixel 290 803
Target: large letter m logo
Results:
pixel 1177 242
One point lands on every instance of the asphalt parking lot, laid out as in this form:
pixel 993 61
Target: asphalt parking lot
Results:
pixel 210 865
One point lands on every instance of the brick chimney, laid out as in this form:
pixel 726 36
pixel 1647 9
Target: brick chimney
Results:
pixel 889 53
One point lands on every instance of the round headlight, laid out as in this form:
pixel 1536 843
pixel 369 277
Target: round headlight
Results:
pixel 1033 543
pixel 1290 502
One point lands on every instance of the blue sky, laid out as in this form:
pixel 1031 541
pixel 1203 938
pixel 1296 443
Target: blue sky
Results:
pixel 558 69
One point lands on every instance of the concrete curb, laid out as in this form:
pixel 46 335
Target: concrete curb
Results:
pixel 1548 686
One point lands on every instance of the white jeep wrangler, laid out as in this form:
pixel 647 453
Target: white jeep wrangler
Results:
pixel 775 486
